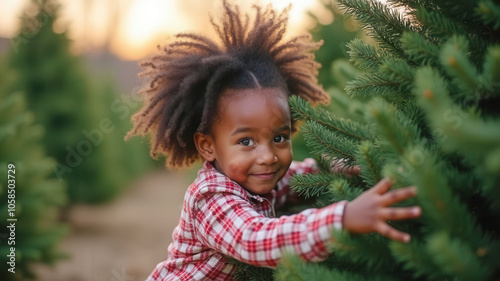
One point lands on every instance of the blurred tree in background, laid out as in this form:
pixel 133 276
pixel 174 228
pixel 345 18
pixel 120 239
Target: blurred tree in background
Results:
pixel 425 112
pixel 33 192
pixel 335 34
pixel 85 120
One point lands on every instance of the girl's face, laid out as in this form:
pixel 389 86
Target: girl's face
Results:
pixel 250 141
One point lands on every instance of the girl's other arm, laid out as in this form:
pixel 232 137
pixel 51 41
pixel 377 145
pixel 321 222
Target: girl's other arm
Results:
pixel 284 194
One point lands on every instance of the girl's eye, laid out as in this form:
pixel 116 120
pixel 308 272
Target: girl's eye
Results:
pixel 281 138
pixel 246 142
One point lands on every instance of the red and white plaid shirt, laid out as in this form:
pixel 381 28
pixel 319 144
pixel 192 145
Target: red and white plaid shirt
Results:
pixel 221 220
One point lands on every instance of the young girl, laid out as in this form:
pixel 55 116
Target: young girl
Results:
pixel 228 106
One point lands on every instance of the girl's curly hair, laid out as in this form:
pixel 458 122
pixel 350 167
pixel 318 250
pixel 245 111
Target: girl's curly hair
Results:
pixel 187 76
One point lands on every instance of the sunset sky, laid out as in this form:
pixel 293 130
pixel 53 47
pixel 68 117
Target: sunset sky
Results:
pixel 132 28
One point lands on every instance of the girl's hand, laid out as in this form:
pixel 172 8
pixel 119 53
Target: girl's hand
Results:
pixel 371 210
pixel 338 167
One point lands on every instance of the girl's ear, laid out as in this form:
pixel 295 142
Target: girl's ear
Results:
pixel 205 146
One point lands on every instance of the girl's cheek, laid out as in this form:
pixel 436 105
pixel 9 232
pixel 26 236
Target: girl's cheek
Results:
pixel 235 169
pixel 287 155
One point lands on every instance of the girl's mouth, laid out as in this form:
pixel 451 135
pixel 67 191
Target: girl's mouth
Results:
pixel 265 176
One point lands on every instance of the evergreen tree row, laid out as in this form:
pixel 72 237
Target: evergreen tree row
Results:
pixel 30 195
pixel 85 120
pixel 61 141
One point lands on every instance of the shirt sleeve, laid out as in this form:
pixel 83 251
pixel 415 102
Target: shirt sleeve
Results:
pixel 229 224
pixel 284 193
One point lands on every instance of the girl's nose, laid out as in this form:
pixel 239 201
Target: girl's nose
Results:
pixel 266 156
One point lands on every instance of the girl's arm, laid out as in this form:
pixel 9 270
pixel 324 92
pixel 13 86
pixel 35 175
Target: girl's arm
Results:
pixel 229 224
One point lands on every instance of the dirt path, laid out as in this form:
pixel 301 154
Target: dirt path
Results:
pixel 124 240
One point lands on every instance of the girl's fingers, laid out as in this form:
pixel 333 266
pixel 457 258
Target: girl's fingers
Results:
pixel 353 171
pixel 399 213
pixel 398 195
pixel 338 166
pixel 392 233
pixel 382 186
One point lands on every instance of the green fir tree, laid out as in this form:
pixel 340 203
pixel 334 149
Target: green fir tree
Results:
pixel 424 111
pixel 30 196
pixel 85 118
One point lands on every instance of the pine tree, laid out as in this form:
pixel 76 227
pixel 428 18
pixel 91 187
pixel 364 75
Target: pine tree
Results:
pixel 424 111
pixel 86 120
pixel 30 197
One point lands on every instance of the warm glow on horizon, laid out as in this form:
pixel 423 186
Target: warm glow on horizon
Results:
pixel 145 22
pixel 132 29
